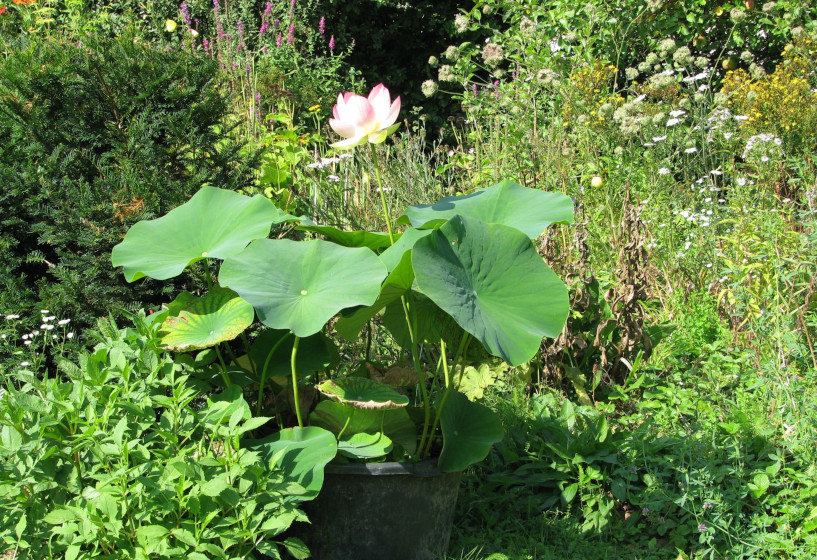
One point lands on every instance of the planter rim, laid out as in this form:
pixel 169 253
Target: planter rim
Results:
pixel 424 468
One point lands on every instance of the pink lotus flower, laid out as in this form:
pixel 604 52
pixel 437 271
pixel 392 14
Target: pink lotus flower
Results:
pixel 359 119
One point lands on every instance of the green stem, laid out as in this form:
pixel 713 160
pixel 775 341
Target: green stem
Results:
pixel 295 381
pixel 223 367
pixel 411 326
pixel 207 274
pixel 382 194
pixel 346 425
pixel 449 386
pixel 264 373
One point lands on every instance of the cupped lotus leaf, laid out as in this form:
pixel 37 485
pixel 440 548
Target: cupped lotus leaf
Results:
pixel 397 283
pixel 528 210
pixel 372 240
pixel 300 285
pixel 315 353
pixel 214 223
pixel 365 446
pixel 363 393
pixel 395 423
pixel 301 453
pixel 469 431
pixel 494 284
pixel 206 321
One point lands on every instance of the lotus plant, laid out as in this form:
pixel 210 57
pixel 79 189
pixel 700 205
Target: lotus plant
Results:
pixel 460 273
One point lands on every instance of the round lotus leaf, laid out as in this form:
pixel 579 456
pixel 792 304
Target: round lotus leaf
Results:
pixel 360 392
pixel 528 210
pixel 204 322
pixel 300 285
pixel 214 223
pixel 365 446
pixel 469 431
pixel 301 453
pixel 494 284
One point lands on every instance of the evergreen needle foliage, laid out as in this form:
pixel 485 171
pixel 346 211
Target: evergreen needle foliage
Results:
pixel 95 135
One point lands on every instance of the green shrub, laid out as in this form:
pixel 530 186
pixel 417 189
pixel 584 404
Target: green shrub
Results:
pixel 127 460
pixel 95 136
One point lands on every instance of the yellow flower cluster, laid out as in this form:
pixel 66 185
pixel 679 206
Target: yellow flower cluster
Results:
pixel 589 88
pixel 781 103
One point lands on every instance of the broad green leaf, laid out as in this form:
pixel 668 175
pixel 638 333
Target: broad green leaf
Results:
pixel 214 223
pixel 529 210
pixel 219 316
pixel 369 239
pixel 253 423
pixel 150 534
pixel 392 256
pixel 494 284
pixel 185 536
pixel 395 423
pixel 299 286
pixel 472 382
pixel 569 493
pixel 759 485
pixel 363 393
pixel 431 324
pixel 278 523
pixel 301 454
pixel 397 283
pixel 214 486
pixel 365 446
pixel 469 431
pixel 59 516
pixel 296 548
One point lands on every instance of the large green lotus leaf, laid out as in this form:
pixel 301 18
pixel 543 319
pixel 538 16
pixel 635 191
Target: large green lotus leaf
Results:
pixel 528 210
pixel 313 353
pixel 365 446
pixel 394 255
pixel 371 240
pixel 469 431
pixel 301 453
pixel 214 223
pixel 206 321
pixel 397 283
pixel 363 393
pixel 300 285
pixel 494 284
pixel 432 324
pixel 395 423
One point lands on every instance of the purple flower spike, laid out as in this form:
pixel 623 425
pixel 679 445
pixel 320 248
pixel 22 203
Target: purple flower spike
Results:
pixel 332 43
pixel 185 14
pixel 322 26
